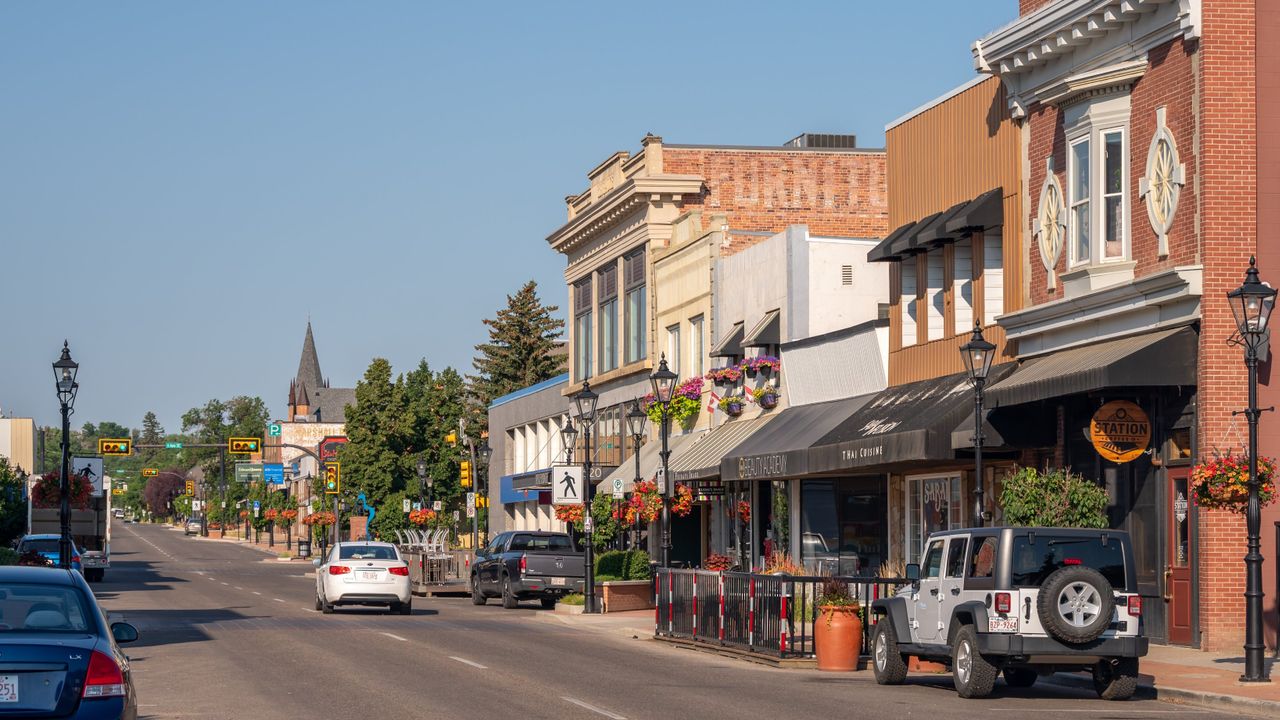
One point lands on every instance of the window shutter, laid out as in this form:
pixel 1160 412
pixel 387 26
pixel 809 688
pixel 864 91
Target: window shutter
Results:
pixel 582 296
pixel 633 269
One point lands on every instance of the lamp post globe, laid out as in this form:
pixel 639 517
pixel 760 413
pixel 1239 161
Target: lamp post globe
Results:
pixel 569 434
pixel 64 374
pixel 977 355
pixel 664 385
pixel 1252 303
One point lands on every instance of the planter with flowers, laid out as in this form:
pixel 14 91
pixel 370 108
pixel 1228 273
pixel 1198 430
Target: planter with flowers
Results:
pixel 766 396
pixel 837 629
pixel 686 403
pixel 422 517
pixel 1223 483
pixel 733 405
pixel 764 365
pixel 717 563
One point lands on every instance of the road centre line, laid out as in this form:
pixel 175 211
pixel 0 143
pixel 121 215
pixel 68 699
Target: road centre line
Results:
pixel 395 637
pixel 592 708
pixel 255 592
pixel 465 661
pixel 1097 712
pixel 277 599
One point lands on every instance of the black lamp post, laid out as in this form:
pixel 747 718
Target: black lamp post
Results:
pixel 483 455
pixel 664 384
pixel 636 419
pixel 978 354
pixel 64 375
pixel 586 401
pixel 424 481
pixel 1251 303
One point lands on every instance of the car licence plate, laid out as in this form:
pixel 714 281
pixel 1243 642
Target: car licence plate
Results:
pixel 8 688
pixel 557 581
pixel 366 575
pixel 998 624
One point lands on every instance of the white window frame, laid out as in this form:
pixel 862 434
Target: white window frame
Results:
pixel 1103 195
pixel 1092 122
pixel 673 348
pixel 698 342
pixel 1074 202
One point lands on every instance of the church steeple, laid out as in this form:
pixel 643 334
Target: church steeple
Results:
pixel 309 376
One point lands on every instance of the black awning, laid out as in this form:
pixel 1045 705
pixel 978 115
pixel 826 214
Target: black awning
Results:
pixel 980 213
pixel 731 345
pixel 781 448
pixel 904 423
pixel 883 251
pixel 536 480
pixel 1162 358
pixel 767 332
pixel 935 232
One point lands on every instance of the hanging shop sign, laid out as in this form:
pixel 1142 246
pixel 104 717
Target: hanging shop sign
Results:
pixel 1120 431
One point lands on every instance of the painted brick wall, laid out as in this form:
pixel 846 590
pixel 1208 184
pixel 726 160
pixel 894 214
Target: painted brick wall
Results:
pixel 1029 6
pixel 835 194
pixel 1228 208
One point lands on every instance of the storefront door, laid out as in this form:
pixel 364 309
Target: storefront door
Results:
pixel 1177 573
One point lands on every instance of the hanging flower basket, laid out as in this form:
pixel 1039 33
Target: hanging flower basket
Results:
pixel 1223 483
pixel 766 396
pixel 270 514
pixel 322 518
pixel 682 502
pixel 744 512
pixel 287 516
pixel 645 503
pixel 244 514
pixel 422 517
pixel 733 405
pixel 686 403
pixel 570 514
pixel 48 494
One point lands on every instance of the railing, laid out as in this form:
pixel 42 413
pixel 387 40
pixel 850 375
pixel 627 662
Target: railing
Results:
pixel 437 568
pixel 768 614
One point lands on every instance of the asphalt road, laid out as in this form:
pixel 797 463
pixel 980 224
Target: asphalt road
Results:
pixel 228 632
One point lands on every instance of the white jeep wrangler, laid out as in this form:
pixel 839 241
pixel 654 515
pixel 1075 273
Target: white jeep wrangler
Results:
pixel 1025 601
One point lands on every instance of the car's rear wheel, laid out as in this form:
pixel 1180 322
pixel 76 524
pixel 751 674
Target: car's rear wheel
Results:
pixel 973 675
pixel 319 605
pixel 1116 680
pixel 548 603
pixel 509 600
pixel 326 607
pixel 477 597
pixel 886 660
pixel 405 608
pixel 1020 677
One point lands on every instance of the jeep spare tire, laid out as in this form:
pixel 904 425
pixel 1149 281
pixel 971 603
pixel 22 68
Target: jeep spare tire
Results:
pixel 1076 604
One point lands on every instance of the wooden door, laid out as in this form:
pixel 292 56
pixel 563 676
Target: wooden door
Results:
pixel 1177 574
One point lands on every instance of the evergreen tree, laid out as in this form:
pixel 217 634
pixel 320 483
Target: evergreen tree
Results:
pixel 521 351
pixel 377 428
pixel 152 430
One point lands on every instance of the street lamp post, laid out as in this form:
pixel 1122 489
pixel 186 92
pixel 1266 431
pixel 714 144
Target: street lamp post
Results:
pixel 664 384
pixel 586 401
pixel 64 375
pixel 424 481
pixel 978 354
pixel 483 454
pixel 1251 303
pixel 636 419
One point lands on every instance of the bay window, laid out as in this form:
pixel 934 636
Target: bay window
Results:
pixel 1113 194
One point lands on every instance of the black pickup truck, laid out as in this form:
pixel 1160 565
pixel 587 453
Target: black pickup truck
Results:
pixel 526 564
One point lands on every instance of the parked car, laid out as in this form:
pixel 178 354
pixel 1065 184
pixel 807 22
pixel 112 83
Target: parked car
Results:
pixel 58 655
pixel 1017 601
pixel 524 565
pixel 363 573
pixel 118 513
pixel 192 527
pixel 47 546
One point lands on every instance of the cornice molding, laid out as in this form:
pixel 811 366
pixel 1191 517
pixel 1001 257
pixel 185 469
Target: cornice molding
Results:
pixel 619 203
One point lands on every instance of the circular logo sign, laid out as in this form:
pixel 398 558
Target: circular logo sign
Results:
pixel 1120 431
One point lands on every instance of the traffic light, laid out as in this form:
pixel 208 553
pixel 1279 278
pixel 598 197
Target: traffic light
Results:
pixel 115 446
pixel 150 472
pixel 244 446
pixel 452 439
pixel 482 501
pixel 332 478
pixel 465 474
pixel 191 488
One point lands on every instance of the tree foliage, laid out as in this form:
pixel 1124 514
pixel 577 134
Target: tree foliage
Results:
pixel 13 509
pixel 162 490
pixel 1053 498
pixel 521 348
pixel 241 416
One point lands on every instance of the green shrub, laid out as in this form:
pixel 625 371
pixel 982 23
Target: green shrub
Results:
pixel 638 565
pixel 8 556
pixel 1054 498
pixel 573 599
pixel 622 565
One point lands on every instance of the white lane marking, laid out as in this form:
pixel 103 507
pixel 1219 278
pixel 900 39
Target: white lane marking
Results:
pixel 1095 710
pixel 592 708
pixel 228 584
pixel 239 588
pixel 277 599
pixel 395 637
pixel 255 592
pixel 465 661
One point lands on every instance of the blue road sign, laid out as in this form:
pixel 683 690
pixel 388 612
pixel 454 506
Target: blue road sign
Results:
pixel 273 473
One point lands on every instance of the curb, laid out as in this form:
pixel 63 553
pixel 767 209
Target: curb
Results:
pixel 1219 701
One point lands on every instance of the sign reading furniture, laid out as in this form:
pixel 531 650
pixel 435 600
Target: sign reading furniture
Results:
pixel 1120 431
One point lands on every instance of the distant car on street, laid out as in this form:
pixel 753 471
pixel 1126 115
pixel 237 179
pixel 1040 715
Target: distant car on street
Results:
pixel 118 513
pixel 363 573
pixel 524 565
pixel 47 546
pixel 193 527
pixel 58 655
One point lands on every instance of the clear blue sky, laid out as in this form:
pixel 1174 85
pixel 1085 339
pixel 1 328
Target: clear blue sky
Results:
pixel 183 184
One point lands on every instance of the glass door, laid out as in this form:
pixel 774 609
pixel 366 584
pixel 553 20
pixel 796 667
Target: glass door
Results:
pixel 1177 573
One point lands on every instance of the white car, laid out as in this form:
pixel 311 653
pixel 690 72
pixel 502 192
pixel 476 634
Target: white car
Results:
pixel 363 573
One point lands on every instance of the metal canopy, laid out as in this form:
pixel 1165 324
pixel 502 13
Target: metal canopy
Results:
pixel 731 345
pixel 767 332
pixel 781 448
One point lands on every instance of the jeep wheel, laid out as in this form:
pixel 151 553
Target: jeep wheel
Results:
pixel 1075 604
pixel 1116 680
pixel 973 675
pixel 889 666
pixel 1020 677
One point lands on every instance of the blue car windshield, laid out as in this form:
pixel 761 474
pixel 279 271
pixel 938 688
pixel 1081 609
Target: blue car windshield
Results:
pixel 41 545
pixel 39 608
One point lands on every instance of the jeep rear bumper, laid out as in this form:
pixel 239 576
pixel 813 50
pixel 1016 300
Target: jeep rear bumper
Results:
pixel 1000 644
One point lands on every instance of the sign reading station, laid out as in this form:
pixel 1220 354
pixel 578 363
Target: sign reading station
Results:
pixel 1120 431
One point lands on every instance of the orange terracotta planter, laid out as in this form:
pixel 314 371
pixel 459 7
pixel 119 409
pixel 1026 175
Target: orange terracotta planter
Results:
pixel 837 637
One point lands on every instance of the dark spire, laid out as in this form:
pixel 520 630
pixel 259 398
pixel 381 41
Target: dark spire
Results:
pixel 292 385
pixel 301 397
pixel 309 366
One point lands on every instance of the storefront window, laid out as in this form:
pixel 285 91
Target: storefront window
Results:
pixel 843 529
pixel 933 505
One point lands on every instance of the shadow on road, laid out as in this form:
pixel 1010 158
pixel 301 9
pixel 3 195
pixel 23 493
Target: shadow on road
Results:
pixel 167 627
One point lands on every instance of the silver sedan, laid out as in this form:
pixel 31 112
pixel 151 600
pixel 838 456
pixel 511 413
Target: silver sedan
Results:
pixel 363 573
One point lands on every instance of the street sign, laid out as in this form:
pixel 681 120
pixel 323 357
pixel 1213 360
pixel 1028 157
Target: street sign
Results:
pixel 150 472
pixel 173 446
pixel 248 472
pixel 455 516
pixel 617 487
pixel 587 522
pixel 661 481
pixel 196 505
pixel 90 468
pixel 115 446
pixel 244 445
pixel 471 511
pixel 471 501
pixel 567 487
pixel 417 505
pixel 273 473
pixel 274 429
pixel 406 505
pixel 437 506
pixel 257 508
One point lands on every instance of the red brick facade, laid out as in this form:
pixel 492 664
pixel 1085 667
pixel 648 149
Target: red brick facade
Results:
pixel 839 194
pixel 1026 7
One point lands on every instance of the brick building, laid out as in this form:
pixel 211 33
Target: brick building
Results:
pixel 1144 126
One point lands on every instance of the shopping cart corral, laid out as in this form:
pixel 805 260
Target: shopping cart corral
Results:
pixel 434 568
